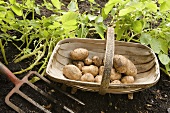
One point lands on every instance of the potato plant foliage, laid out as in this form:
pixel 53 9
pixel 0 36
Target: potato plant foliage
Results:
pixel 143 21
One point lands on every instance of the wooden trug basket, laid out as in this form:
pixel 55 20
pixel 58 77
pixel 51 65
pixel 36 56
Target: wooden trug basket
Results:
pixel 142 56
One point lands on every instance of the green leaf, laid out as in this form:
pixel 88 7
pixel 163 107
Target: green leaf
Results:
pixel 92 1
pixel 2 2
pixel 100 30
pixel 56 3
pixel 69 16
pixel 108 7
pixel 155 45
pixel 167 66
pixel 145 38
pixel 10 15
pixel 119 34
pixel 99 19
pixel 91 17
pixel 164 58
pixel 137 26
pixel 163 45
pixel 165 6
pixel 69 28
pixel 45 33
pixel 125 11
pixel 151 6
pixel 12 1
pixel 17 10
pixel 82 32
pixel 2 8
pixel 160 1
pixel 71 22
pixel 72 6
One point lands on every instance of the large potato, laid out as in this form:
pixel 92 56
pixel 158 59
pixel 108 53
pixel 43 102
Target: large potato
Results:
pixel 79 54
pixel 72 72
pixel 124 65
pixel 90 69
pixel 88 77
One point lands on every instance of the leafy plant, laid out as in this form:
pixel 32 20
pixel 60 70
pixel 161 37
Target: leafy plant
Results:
pixel 144 21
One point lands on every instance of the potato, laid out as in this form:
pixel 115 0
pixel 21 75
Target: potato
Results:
pixel 101 69
pixel 124 65
pixel 90 69
pixel 116 82
pixel 88 61
pixel 114 75
pixel 98 79
pixel 97 61
pixel 79 54
pixel 72 72
pixel 127 79
pixel 79 64
pixel 88 77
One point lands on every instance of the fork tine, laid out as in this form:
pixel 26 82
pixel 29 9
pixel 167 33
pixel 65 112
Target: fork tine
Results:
pixel 9 103
pixel 52 85
pixel 49 97
pixel 33 102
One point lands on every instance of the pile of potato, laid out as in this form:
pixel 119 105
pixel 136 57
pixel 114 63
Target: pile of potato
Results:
pixel 88 69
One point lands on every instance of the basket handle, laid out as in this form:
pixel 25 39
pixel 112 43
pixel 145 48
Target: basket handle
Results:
pixel 108 60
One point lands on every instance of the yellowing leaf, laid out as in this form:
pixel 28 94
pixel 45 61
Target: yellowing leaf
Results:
pixel 165 6
pixel 151 6
pixel 126 11
pixel 56 3
pixel 17 10
pixel 137 26
pixel 69 16
pixel 12 1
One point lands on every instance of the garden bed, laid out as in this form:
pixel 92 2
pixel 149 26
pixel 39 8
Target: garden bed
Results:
pixel 153 100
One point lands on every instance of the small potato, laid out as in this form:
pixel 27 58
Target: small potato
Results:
pixel 88 61
pixel 90 69
pixel 97 61
pixel 98 79
pixel 114 75
pixel 88 77
pixel 127 79
pixel 79 54
pixel 72 72
pixel 116 82
pixel 79 64
pixel 124 65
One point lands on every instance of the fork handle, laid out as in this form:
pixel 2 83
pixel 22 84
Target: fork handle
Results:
pixel 5 71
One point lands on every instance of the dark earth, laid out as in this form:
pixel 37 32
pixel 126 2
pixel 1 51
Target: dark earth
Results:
pixel 152 100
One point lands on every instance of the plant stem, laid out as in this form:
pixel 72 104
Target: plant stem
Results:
pixel 35 63
pixel 28 55
pixel 3 52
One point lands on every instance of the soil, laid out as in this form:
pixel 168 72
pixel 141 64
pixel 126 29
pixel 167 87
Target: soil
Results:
pixel 152 100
